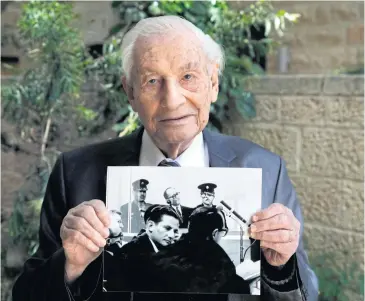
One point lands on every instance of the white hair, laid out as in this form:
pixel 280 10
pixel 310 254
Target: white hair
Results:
pixel 160 25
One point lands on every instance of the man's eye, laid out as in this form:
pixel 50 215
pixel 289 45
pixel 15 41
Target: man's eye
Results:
pixel 152 81
pixel 187 76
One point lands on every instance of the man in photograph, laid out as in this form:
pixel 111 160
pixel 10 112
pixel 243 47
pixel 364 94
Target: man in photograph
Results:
pixel 113 246
pixel 115 240
pixel 171 76
pixel 162 227
pixel 134 221
pixel 207 194
pixel 197 263
pixel 172 198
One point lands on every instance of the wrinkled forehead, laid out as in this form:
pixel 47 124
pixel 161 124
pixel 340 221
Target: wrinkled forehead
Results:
pixel 168 53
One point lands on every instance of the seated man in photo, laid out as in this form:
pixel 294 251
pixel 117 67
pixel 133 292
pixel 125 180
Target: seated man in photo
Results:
pixel 197 263
pixel 162 227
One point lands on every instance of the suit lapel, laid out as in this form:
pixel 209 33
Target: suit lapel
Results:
pixel 220 155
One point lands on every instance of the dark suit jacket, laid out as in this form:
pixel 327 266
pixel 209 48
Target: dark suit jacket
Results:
pixel 185 211
pixel 192 266
pixel 80 175
pixel 127 265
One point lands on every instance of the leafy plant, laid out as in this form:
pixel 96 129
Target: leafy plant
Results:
pixel 232 29
pixel 41 98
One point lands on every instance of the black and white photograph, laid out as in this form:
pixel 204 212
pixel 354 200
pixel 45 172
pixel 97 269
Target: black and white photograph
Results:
pixel 182 230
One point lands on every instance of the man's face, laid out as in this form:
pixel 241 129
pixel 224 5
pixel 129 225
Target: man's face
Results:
pixel 116 225
pixel 207 198
pixel 165 232
pixel 172 197
pixel 140 195
pixel 173 86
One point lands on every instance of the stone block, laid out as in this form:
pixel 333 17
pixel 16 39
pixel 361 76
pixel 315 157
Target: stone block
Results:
pixel 344 85
pixel 302 110
pixel 333 152
pixel 333 203
pixel 278 139
pixel 324 36
pixel 345 111
pixel 266 110
pixel 344 11
pixel 285 85
pixel 355 34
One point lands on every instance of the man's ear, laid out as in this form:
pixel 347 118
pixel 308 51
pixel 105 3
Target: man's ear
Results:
pixel 129 91
pixel 214 234
pixel 149 226
pixel 215 82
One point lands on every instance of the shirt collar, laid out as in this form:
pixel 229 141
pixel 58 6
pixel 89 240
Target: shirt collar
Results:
pixel 196 155
pixel 153 245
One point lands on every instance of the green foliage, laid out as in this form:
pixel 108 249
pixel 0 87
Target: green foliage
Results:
pixel 57 73
pixel 230 28
pixel 40 98
pixel 335 282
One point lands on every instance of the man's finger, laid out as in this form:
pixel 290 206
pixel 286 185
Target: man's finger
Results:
pixel 281 248
pixel 79 238
pixel 100 210
pixel 280 221
pixel 89 214
pixel 271 211
pixel 277 236
pixel 80 224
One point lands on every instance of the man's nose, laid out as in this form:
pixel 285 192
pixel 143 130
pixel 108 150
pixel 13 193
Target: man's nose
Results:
pixel 172 97
pixel 171 234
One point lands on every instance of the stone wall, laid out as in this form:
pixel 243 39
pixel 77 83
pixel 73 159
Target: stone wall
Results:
pixel 329 36
pixel 317 125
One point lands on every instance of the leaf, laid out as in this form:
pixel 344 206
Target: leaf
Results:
pixel 199 8
pixel 245 105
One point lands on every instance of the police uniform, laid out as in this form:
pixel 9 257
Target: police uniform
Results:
pixel 206 187
pixel 135 222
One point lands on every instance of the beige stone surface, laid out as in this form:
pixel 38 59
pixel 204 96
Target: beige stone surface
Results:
pixel 302 110
pixel 333 153
pixel 333 203
pixel 345 111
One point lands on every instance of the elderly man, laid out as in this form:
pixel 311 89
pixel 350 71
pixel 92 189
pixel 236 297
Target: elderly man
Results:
pixel 171 78
pixel 172 198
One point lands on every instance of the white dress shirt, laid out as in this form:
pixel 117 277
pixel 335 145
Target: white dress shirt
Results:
pixel 196 155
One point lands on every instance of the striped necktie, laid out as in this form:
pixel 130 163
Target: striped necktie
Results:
pixel 169 163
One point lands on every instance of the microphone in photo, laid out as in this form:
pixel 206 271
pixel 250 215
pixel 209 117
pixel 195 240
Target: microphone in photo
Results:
pixel 232 211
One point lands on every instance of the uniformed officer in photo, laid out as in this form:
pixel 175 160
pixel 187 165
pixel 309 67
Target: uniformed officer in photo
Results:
pixel 137 207
pixel 207 194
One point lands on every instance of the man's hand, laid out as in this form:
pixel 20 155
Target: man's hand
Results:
pixel 278 230
pixel 83 232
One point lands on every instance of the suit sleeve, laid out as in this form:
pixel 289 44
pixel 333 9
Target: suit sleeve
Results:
pixel 306 278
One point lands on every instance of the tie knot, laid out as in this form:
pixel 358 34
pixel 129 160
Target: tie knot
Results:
pixel 169 163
